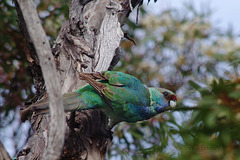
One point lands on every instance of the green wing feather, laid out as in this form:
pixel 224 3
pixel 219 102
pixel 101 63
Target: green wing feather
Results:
pixel 125 87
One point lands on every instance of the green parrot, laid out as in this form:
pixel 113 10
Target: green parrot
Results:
pixel 121 96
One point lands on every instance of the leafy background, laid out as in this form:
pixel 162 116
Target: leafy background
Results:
pixel 179 49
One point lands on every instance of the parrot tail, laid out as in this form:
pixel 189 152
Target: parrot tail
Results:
pixel 71 101
pixel 39 107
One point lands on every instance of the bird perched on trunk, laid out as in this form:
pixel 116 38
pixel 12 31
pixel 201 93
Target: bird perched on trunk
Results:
pixel 121 96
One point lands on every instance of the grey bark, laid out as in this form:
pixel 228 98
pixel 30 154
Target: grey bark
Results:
pixel 39 39
pixel 88 42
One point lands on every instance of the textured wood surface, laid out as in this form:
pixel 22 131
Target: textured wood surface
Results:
pixel 39 39
pixel 87 42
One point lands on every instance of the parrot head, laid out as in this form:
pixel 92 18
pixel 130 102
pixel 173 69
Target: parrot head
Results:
pixel 162 99
pixel 169 96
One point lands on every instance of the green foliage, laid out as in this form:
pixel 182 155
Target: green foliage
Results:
pixel 15 84
pixel 214 128
pixel 183 51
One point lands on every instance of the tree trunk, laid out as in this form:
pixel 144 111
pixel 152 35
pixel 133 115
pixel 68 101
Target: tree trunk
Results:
pixel 88 42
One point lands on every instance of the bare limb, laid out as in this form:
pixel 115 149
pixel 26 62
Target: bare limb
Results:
pixel 43 50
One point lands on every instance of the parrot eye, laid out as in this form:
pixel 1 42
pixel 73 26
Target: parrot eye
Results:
pixel 165 94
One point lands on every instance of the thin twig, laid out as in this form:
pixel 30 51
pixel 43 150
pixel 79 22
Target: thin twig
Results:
pixel 182 109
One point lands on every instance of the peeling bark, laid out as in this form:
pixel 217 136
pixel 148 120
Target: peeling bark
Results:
pixel 88 42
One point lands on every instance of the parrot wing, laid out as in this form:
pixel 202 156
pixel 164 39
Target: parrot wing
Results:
pixel 117 86
pixel 101 88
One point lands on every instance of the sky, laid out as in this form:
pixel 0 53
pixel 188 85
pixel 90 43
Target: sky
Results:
pixel 225 13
